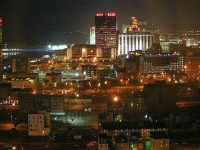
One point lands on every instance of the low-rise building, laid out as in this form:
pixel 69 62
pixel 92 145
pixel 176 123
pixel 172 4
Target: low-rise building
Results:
pixel 50 103
pixel 104 142
pixel 5 89
pixel 158 63
pixel 136 103
pixel 89 70
pixel 53 78
pixel 121 142
pixel 39 124
pixel 135 141
pixel 22 80
pixel 159 141
pixel 160 97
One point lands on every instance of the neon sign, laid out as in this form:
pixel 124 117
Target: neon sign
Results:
pixel 99 14
pixel 111 14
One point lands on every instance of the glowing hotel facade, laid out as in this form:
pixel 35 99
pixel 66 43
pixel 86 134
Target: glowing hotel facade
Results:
pixel 138 40
pixel 105 30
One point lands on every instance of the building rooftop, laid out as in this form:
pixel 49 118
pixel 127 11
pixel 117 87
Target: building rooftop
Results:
pixel 159 135
pixel 128 125
pixel 121 139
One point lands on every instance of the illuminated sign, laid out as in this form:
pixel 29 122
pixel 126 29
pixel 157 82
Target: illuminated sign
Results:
pixel 99 14
pixel 1 21
pixel 91 55
pixel 111 14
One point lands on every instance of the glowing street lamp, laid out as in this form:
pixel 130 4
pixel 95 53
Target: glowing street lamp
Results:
pixel 185 67
pixel 115 99
pixel 106 82
pixel 77 95
pixel 43 134
pixel 99 84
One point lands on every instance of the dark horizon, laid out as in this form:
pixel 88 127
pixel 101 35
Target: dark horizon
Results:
pixel 36 22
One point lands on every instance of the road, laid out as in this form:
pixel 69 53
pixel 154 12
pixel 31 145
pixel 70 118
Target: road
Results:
pixel 7 106
pixel 47 146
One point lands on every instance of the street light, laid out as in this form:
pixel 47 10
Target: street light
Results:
pixel 99 84
pixel 106 82
pixel 185 67
pixel 115 99
pixel 77 95
pixel 43 135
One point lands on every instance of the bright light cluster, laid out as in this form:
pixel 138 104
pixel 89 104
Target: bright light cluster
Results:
pixel 56 47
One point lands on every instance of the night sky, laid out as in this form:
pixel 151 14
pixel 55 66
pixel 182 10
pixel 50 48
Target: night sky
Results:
pixel 39 22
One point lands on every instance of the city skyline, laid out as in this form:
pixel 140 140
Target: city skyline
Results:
pixel 136 85
pixel 38 22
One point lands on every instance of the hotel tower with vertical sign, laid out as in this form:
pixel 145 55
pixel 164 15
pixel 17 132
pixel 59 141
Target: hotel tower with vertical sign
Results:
pixel 105 28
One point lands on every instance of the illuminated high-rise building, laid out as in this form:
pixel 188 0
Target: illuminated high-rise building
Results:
pixel 92 35
pixel 134 37
pixel 105 29
pixel 137 40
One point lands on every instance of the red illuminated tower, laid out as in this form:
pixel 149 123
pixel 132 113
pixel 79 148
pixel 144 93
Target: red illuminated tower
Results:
pixel 105 28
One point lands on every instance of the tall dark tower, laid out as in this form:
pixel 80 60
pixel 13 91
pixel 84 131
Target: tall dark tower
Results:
pixel 1 46
pixel 105 28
